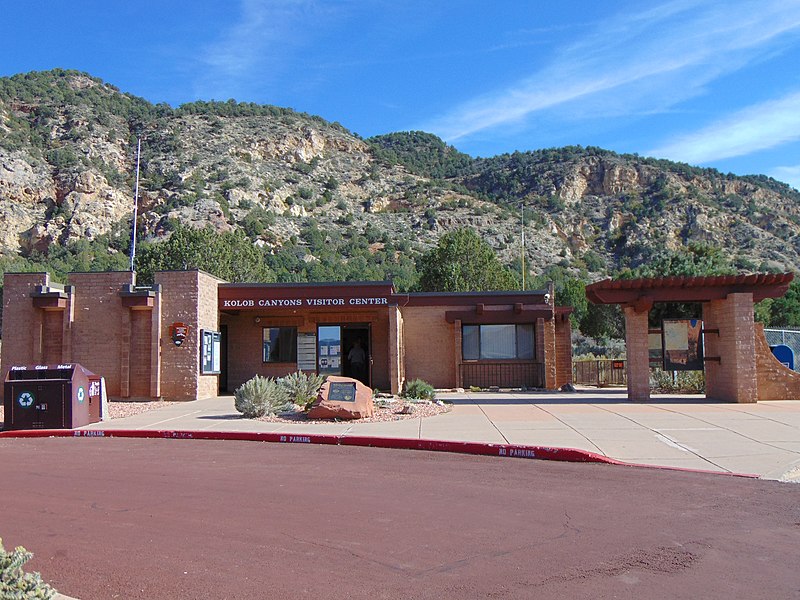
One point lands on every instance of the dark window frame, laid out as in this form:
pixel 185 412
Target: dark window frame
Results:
pixel 281 354
pixel 516 357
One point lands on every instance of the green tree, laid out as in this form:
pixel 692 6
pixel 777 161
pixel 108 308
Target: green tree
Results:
pixel 785 311
pixel 230 256
pixel 693 260
pixel 463 262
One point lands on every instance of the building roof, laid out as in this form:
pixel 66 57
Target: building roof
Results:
pixel 688 289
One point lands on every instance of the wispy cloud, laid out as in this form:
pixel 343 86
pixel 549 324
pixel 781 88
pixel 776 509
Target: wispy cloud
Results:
pixel 645 61
pixel 755 128
pixel 255 45
pixel 790 175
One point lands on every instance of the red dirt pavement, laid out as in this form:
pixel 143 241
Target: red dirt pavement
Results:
pixel 129 518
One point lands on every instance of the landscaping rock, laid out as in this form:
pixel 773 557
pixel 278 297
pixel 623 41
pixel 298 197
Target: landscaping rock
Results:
pixel 342 398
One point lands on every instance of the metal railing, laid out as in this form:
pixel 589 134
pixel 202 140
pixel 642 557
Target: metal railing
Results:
pixel 599 372
pixel 486 374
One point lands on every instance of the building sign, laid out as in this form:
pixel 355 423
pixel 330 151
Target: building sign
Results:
pixel 303 302
pixel 178 332
pixel 682 342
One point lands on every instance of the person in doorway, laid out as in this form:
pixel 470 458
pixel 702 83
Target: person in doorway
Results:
pixel 358 361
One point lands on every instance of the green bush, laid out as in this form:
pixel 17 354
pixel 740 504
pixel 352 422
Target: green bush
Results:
pixel 14 582
pixel 684 382
pixel 301 388
pixel 260 396
pixel 418 389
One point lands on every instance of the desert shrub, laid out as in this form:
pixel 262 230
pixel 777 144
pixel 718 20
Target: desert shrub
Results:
pixel 260 396
pixel 14 582
pixel 684 382
pixel 301 388
pixel 418 389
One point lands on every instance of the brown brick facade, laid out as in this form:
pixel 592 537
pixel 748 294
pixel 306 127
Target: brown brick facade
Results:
pixel 123 332
pixel 775 381
pixel 188 297
pixel 638 362
pixel 730 365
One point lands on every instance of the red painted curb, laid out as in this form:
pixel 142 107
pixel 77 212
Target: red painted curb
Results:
pixel 474 448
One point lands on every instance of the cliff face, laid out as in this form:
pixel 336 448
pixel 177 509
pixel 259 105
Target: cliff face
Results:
pixel 67 160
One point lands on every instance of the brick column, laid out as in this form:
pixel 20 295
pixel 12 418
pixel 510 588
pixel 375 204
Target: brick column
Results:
pixel 395 350
pixel 550 354
pixel 459 353
pixel 563 350
pixel 734 379
pixel 638 362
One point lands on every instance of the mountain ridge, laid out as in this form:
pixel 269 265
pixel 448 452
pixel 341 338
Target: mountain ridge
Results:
pixel 67 144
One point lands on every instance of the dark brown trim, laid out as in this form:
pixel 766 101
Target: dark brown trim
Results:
pixel 688 289
pixel 53 302
pixel 498 317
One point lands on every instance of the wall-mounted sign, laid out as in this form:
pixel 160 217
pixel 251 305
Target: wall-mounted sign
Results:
pixel 682 341
pixel 179 332
pixel 302 302
pixel 210 352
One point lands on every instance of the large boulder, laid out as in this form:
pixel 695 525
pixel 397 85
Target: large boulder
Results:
pixel 342 398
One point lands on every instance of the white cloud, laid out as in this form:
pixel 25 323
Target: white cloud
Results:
pixel 254 46
pixel 790 175
pixel 757 127
pixel 638 62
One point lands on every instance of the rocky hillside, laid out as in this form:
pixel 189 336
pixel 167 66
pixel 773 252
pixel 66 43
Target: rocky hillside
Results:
pixel 67 158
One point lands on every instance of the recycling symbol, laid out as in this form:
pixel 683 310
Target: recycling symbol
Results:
pixel 25 399
pixel 81 395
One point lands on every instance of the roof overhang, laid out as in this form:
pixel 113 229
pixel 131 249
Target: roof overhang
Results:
pixel 646 291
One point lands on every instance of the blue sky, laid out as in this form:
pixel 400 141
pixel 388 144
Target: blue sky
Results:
pixel 709 83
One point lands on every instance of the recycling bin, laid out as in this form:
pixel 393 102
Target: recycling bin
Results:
pixel 62 396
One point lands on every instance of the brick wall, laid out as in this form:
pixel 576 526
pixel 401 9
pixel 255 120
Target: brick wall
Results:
pixel 21 335
pixel 52 336
pixel 100 331
pixel 140 371
pixel 429 345
pixel 775 381
pixel 188 297
pixel 733 378
pixel 245 340
pixel 637 363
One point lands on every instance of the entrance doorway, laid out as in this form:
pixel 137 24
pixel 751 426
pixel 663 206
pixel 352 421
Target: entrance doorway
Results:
pixel 345 350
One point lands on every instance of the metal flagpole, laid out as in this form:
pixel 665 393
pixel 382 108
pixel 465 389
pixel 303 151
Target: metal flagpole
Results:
pixel 522 210
pixel 135 201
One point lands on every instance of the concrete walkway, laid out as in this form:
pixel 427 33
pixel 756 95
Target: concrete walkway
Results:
pixel 673 431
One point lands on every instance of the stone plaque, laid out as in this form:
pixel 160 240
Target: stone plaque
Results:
pixel 342 398
pixel 342 392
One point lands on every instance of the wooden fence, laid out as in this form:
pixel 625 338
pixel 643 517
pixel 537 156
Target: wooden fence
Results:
pixel 600 372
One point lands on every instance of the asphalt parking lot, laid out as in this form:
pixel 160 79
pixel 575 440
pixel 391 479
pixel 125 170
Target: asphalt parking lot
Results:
pixel 124 518
pixel 671 431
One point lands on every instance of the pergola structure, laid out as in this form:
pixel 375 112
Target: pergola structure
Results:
pixel 733 350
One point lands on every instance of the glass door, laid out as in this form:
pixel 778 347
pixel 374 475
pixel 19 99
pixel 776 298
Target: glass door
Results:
pixel 329 349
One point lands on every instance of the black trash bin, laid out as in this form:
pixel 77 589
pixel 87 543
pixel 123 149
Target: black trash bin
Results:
pixel 51 397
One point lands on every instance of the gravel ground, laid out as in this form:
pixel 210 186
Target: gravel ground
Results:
pixel 117 410
pixel 393 411
pixel 390 412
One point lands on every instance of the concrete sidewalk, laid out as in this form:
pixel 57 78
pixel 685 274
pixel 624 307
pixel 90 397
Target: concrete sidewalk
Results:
pixel 672 431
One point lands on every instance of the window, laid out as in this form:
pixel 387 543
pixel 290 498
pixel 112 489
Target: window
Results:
pixel 279 344
pixel 497 342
